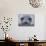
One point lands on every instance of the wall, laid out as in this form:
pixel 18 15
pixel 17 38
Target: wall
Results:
pixel 45 29
pixel 11 8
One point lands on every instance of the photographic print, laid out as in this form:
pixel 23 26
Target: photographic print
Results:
pixel 26 20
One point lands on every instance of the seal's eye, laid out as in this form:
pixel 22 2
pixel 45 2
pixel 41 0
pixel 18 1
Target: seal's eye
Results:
pixel 22 19
pixel 29 19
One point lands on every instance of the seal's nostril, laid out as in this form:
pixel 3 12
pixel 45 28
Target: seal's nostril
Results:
pixel 26 23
